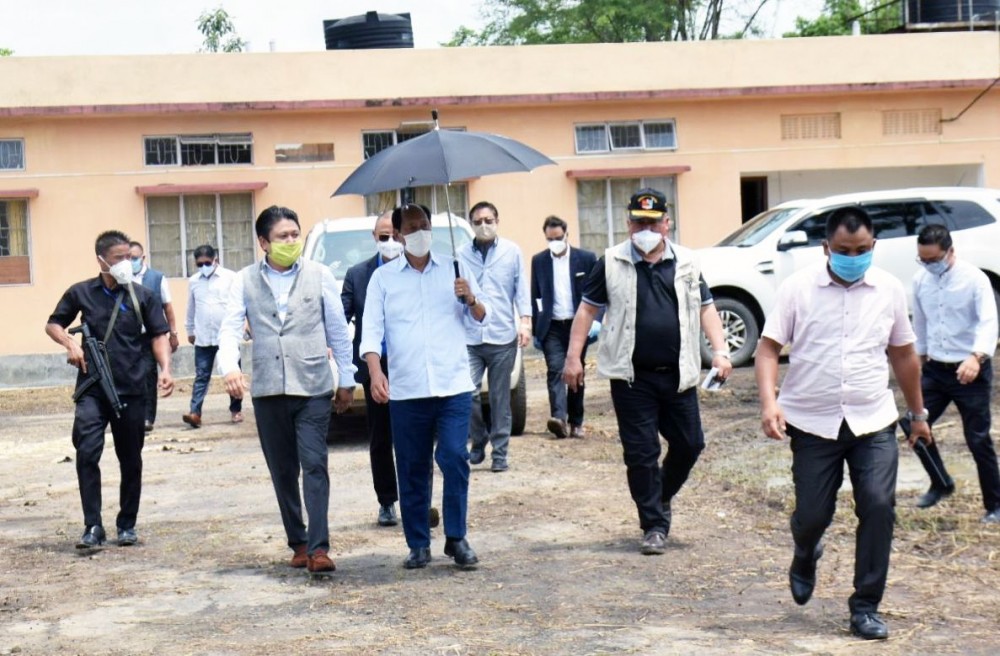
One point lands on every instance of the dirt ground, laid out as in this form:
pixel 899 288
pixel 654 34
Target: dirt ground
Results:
pixel 557 536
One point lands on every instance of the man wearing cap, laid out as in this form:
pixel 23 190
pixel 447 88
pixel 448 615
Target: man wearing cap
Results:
pixel 557 276
pixel 955 321
pixel 656 306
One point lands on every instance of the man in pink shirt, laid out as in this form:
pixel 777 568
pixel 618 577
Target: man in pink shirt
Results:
pixel 842 318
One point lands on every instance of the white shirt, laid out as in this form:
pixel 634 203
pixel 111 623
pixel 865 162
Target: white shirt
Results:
pixel 837 368
pixel 207 298
pixel 562 287
pixel 164 287
pixel 954 314
pixel 423 325
pixel 505 289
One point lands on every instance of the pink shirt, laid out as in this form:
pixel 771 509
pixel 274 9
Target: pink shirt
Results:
pixel 837 367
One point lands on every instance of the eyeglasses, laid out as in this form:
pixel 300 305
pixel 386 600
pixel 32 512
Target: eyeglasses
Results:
pixel 384 237
pixel 478 222
pixel 201 264
pixel 920 260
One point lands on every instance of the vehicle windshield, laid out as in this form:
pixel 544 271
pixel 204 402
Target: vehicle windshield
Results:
pixel 756 229
pixel 342 250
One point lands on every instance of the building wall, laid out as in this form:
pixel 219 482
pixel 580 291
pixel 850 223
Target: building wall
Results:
pixel 84 150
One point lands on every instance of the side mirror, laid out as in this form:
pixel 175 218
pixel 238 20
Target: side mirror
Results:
pixel 793 239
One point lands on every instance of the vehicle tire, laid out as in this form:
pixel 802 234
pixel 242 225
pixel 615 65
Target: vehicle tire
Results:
pixel 519 405
pixel 741 332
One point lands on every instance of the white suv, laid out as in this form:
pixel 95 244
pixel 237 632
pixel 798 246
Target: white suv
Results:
pixel 342 243
pixel 744 269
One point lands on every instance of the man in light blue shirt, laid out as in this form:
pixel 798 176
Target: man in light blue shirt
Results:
pixel 498 266
pixel 955 320
pixel 418 306
pixel 295 314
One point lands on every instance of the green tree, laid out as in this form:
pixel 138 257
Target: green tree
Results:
pixel 874 17
pixel 525 22
pixel 6 52
pixel 220 32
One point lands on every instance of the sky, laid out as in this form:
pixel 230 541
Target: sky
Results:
pixel 33 28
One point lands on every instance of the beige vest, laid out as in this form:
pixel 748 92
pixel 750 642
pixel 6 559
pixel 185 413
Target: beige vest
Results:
pixel 614 355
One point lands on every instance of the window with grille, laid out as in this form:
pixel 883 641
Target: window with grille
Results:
pixel 626 135
pixel 15 262
pixel 602 206
pixel 11 155
pixel 432 197
pixel 179 224
pixel 899 122
pixel 199 150
pixel 796 127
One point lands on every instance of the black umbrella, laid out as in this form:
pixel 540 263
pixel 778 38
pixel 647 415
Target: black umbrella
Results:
pixel 438 158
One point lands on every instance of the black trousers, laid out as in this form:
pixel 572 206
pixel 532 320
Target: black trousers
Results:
pixel 651 406
pixel 818 472
pixel 380 446
pixel 564 403
pixel 292 431
pixel 941 387
pixel 92 416
pixel 150 391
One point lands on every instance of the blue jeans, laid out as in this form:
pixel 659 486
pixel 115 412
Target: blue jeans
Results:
pixel 941 387
pixel 416 423
pixel 818 472
pixel 498 362
pixel 204 360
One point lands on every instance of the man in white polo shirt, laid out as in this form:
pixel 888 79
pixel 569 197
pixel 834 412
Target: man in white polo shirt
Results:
pixel 843 318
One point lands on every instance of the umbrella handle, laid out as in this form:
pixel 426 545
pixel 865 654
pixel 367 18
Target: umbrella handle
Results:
pixel 461 299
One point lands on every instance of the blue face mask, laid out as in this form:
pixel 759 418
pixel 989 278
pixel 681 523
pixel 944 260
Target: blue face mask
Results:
pixel 136 265
pixel 936 268
pixel 850 268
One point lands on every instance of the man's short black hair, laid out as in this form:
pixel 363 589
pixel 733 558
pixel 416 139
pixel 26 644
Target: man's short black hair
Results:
pixel 553 221
pixel 135 244
pixel 272 215
pixel 205 250
pixel 480 205
pixel 935 233
pixel 110 238
pixel 851 218
pixel 397 214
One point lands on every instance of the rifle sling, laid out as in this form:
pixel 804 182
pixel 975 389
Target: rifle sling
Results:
pixel 114 312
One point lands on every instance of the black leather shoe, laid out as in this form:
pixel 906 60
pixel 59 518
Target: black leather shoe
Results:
pixel 933 495
pixel 127 537
pixel 148 427
pixel 387 515
pixel 869 626
pixel 802 576
pixel 93 537
pixel 476 456
pixel 418 558
pixel 460 550
pixel 992 517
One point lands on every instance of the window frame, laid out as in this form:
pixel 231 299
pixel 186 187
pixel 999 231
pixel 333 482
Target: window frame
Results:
pixel 218 140
pixel 27 240
pixel 609 140
pixel 23 154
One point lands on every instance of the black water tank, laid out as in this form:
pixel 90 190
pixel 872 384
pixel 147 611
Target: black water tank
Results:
pixel 952 11
pixel 372 30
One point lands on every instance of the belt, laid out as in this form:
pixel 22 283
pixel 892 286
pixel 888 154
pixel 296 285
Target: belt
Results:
pixel 943 365
pixel 570 320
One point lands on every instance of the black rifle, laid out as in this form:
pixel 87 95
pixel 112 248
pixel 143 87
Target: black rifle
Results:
pixel 930 458
pixel 96 357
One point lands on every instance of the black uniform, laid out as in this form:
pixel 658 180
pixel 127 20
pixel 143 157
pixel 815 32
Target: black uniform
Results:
pixel 94 303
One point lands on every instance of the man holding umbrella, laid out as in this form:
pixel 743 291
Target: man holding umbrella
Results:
pixel 415 304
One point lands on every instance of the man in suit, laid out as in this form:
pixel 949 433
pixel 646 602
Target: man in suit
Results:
pixel 379 431
pixel 557 276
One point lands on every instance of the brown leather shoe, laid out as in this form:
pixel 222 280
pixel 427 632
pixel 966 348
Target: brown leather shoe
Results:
pixel 237 417
pixel 192 420
pixel 577 432
pixel 320 562
pixel 299 558
pixel 557 427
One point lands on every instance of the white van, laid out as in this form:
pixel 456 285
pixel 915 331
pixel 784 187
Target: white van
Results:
pixel 342 243
pixel 744 269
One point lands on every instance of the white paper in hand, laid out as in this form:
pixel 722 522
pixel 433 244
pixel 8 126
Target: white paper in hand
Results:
pixel 712 383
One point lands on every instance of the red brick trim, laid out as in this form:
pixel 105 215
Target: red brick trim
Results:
pixel 18 193
pixel 210 188
pixel 637 171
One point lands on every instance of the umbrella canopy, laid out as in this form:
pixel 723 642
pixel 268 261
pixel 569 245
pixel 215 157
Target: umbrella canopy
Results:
pixel 440 157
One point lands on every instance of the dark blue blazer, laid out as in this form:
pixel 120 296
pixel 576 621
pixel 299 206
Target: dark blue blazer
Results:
pixel 543 290
pixel 352 295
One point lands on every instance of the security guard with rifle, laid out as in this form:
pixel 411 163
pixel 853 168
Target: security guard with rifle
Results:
pixel 117 319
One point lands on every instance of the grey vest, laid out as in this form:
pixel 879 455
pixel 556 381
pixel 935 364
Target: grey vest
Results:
pixel 290 357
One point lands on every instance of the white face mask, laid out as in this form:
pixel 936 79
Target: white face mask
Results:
pixel 647 240
pixel 121 272
pixel 207 269
pixel 418 243
pixel 557 247
pixel 485 231
pixel 389 250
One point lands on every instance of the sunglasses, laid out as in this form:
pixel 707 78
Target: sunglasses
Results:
pixel 384 237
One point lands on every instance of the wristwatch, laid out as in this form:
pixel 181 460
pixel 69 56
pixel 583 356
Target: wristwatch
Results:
pixel 923 415
pixel 981 357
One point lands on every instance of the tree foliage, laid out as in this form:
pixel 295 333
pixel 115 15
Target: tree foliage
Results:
pixel 874 17
pixel 6 52
pixel 219 32
pixel 527 22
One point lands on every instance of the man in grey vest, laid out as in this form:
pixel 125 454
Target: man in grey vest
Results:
pixel 155 282
pixel 295 315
